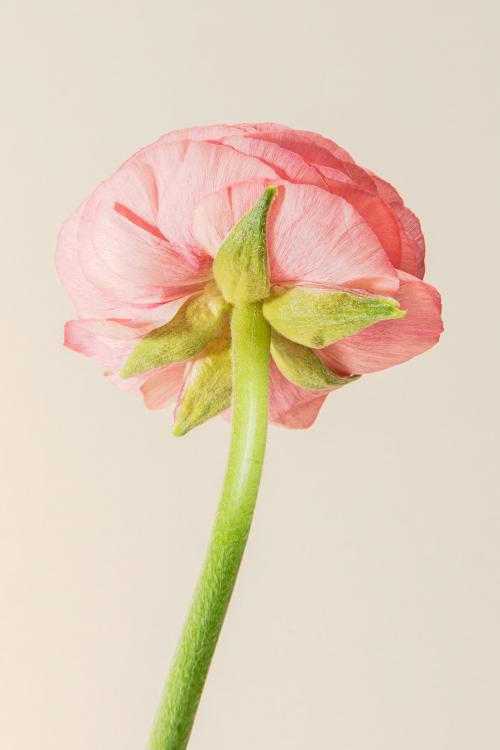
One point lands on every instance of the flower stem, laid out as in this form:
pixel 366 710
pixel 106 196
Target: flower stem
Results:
pixel 250 356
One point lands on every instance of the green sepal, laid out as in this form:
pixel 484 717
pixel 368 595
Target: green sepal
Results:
pixel 317 318
pixel 241 267
pixel 190 330
pixel 303 367
pixel 208 386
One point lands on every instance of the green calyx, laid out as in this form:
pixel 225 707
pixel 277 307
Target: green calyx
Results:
pixel 303 367
pixel 317 318
pixel 207 387
pixel 241 267
pixel 188 333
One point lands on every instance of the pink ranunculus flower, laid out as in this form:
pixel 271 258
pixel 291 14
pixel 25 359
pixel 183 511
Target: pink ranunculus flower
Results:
pixel 145 241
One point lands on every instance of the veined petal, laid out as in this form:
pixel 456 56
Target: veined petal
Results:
pixel 207 386
pixel 319 238
pixel 302 366
pixel 393 342
pixel 287 164
pixel 317 150
pixel 195 324
pixel 162 386
pixel 202 168
pixel 317 318
pixel 313 236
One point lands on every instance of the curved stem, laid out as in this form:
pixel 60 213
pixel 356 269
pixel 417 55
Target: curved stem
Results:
pixel 250 355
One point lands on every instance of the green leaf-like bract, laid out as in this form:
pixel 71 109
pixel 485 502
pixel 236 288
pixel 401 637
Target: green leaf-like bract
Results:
pixel 208 386
pixel 316 317
pixel 190 330
pixel 241 264
pixel 302 366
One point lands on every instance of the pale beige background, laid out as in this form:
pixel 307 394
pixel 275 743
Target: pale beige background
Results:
pixel 367 611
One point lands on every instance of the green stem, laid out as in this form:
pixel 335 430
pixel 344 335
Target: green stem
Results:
pixel 250 354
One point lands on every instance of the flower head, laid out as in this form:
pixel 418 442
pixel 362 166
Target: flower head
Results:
pixel 291 220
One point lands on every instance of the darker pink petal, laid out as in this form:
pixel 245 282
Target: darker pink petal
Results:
pixel 394 341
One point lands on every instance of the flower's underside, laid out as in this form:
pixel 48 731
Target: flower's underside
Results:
pixel 329 249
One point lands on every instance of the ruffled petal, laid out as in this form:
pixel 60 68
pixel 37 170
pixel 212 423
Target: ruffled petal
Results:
pixel 88 300
pixel 391 342
pixel 203 169
pixel 289 405
pixel 319 238
pixel 375 211
pixel 203 133
pixel 313 237
pixel 412 242
pixel 286 164
pixel 218 213
pixel 163 386
pixel 316 150
pixel 131 264
pixel 110 341
pixel 107 341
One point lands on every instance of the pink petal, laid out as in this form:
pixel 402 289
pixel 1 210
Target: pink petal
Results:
pixel 217 213
pixel 391 342
pixel 107 341
pixel 316 150
pixel 203 169
pixel 314 237
pixel 386 191
pixel 289 405
pixel 413 242
pixel 88 261
pixel 162 386
pixel 319 238
pixel 128 262
pixel 287 164
pixel 377 214
pixel 87 299
pixel 110 341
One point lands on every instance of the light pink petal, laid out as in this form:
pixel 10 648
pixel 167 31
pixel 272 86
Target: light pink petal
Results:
pixel 202 133
pixel 394 341
pixel 110 341
pixel 318 238
pixel 314 237
pixel 162 386
pixel 88 259
pixel 205 168
pixel 289 405
pixel 128 262
pixel 217 213
pixel 88 299
pixel 324 143
pixel 287 164
pixel 263 127
pixel 375 211
pixel 131 385
pixel 107 341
